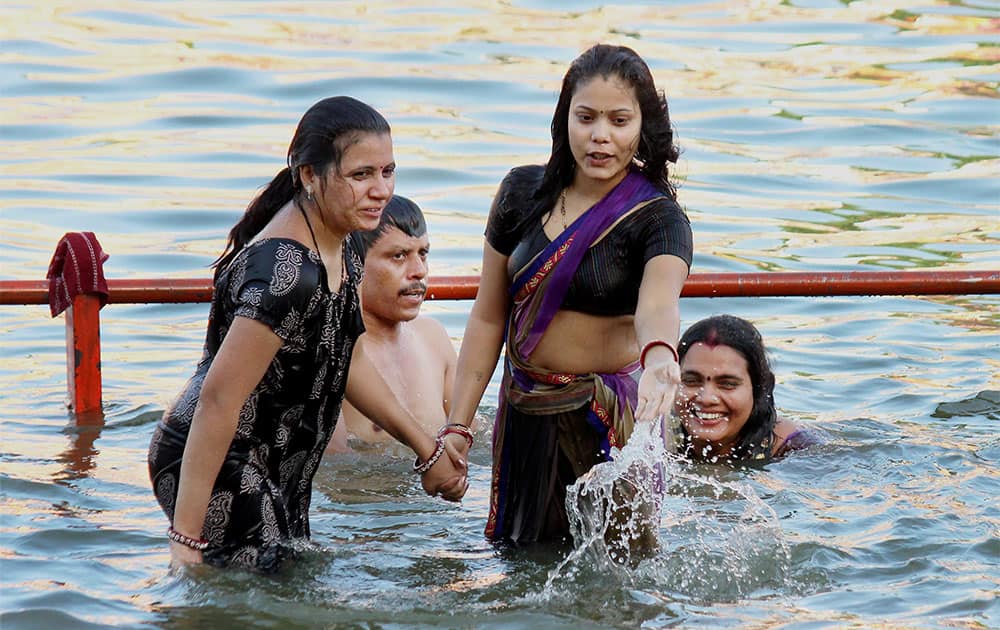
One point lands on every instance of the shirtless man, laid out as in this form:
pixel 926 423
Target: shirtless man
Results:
pixel 413 353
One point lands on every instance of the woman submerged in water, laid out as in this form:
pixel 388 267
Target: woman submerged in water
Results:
pixel 726 398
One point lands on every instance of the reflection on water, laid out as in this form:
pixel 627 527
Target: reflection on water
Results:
pixel 816 135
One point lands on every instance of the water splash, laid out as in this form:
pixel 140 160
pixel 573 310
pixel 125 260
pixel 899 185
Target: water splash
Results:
pixel 652 521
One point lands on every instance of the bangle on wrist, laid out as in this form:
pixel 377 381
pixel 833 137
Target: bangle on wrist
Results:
pixel 198 544
pixel 652 344
pixel 458 429
pixel 420 467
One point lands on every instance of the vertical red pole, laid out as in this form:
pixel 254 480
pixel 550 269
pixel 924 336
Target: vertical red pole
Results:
pixel 83 355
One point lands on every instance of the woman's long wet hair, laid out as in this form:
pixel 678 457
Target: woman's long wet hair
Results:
pixel 322 136
pixel 756 438
pixel 656 137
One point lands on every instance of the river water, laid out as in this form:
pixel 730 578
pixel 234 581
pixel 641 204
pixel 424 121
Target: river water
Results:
pixel 816 134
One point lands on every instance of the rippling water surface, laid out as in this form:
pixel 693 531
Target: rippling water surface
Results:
pixel 816 135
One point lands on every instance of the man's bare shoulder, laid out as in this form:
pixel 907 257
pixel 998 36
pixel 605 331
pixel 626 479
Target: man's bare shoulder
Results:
pixel 434 334
pixel 427 324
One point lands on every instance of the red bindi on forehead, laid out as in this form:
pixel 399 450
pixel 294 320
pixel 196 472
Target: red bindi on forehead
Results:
pixel 712 339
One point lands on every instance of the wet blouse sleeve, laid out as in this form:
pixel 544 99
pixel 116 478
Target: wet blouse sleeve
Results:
pixel 666 229
pixel 278 286
pixel 509 205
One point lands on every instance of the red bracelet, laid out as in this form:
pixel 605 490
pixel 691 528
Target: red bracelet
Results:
pixel 420 467
pixel 459 429
pixel 198 544
pixel 652 344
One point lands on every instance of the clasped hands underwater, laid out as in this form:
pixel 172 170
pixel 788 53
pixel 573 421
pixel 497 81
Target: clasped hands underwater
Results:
pixel 583 264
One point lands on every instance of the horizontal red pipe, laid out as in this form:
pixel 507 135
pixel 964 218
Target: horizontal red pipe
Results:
pixel 829 283
pixel 762 284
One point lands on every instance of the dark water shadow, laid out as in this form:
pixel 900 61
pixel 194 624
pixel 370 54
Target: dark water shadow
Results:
pixel 80 456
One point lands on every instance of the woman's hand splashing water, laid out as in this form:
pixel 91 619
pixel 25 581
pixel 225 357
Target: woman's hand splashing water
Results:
pixel 657 388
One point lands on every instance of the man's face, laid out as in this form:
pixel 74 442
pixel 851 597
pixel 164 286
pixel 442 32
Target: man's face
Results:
pixel 395 276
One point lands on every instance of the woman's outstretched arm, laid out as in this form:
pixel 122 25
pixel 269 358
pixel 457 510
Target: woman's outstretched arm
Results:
pixel 657 318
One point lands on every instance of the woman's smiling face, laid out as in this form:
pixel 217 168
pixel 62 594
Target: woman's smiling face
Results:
pixel 715 398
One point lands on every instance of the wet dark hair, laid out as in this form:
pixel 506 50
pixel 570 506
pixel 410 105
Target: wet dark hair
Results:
pixel 656 137
pixel 756 437
pixel 324 133
pixel 400 213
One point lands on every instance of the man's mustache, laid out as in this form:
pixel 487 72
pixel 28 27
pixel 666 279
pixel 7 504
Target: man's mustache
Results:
pixel 414 287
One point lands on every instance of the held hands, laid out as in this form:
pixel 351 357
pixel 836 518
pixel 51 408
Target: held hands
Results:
pixel 658 385
pixel 458 447
pixel 445 479
pixel 447 475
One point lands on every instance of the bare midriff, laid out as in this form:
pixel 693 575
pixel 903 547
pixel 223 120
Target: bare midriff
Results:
pixel 578 343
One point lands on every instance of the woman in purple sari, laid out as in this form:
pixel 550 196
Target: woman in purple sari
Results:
pixel 582 270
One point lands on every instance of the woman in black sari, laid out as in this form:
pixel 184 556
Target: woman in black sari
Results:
pixel 583 266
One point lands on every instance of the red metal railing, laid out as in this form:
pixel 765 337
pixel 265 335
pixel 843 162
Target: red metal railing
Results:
pixel 758 284
pixel 83 345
